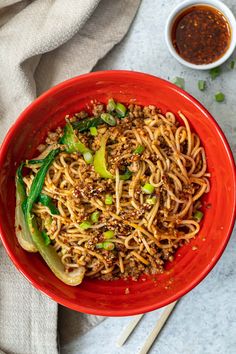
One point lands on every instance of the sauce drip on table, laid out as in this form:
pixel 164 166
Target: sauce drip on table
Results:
pixel 201 34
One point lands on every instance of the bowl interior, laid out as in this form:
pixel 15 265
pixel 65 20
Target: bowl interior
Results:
pixel 191 264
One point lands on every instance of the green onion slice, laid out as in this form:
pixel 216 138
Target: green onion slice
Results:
pixel 215 72
pixel 109 246
pixel 111 105
pixel 151 201
pixel 139 150
pixel 108 199
pixel 88 157
pixel 93 131
pixel 84 225
pixel 148 188
pixel 219 97
pixel 198 215
pixel 178 81
pixel 120 110
pixel 108 234
pixel 95 216
pixel 109 119
pixel 202 85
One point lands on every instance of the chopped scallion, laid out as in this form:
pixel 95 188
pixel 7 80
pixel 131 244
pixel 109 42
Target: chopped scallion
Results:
pixel 84 225
pixel 88 157
pixel 109 246
pixel 111 105
pixel 219 97
pixel 99 245
pixel 179 81
pixel 202 85
pixel 215 72
pixel 151 201
pixel 198 215
pixel 95 216
pixel 231 64
pixel 120 110
pixel 93 131
pixel 108 234
pixel 148 188
pixel 109 119
pixel 139 150
pixel 108 199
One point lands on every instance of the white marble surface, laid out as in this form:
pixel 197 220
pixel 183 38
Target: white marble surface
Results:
pixel 204 321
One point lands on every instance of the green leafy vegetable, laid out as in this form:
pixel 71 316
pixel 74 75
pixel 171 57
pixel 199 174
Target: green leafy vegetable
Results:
pixel 46 238
pixel 45 200
pixel 72 142
pixel 87 123
pixel 48 253
pixel 99 161
pixel 202 85
pixel 215 72
pixel 178 81
pixel 21 228
pixel 127 175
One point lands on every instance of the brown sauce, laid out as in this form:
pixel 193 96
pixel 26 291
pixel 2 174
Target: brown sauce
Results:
pixel 201 34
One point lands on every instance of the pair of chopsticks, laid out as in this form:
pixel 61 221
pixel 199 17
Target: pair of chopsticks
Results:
pixel 154 333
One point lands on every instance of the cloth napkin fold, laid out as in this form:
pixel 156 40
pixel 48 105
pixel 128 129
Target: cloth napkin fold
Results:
pixel 43 42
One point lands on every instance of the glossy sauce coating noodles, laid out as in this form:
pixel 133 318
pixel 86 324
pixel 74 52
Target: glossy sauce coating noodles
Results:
pixel 133 222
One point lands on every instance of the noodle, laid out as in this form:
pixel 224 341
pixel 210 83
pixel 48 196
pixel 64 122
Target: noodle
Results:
pixel 146 228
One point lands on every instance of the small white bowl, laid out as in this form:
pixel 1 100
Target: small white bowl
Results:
pixel 188 3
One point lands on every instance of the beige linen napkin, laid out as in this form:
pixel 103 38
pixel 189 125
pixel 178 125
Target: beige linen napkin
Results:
pixel 43 42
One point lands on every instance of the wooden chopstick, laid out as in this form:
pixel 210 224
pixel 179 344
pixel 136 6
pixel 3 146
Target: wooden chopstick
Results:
pixel 156 330
pixel 128 330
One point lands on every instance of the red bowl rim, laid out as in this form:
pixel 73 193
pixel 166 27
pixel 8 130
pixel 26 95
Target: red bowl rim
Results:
pixel 192 284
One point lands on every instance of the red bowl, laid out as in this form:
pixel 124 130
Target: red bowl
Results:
pixel 191 264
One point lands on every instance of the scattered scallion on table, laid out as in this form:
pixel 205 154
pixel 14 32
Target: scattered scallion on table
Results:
pixel 178 81
pixel 201 85
pixel 231 64
pixel 214 72
pixel 219 97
